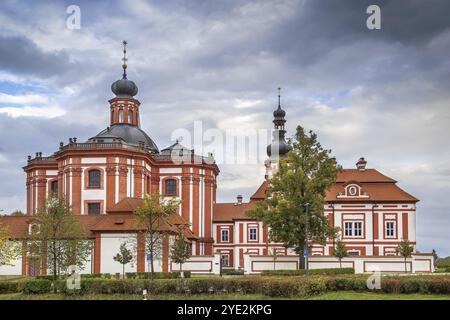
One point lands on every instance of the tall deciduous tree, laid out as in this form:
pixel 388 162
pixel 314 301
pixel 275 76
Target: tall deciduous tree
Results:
pixel 152 217
pixel 124 256
pixel 340 251
pixel 181 250
pixel 9 249
pixel 302 179
pixel 57 235
pixel 405 249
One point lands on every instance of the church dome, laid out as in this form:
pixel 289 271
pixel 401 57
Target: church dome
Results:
pixel 279 113
pixel 124 88
pixel 127 133
pixel 280 148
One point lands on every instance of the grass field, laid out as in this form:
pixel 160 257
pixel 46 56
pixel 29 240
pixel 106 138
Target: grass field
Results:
pixel 341 295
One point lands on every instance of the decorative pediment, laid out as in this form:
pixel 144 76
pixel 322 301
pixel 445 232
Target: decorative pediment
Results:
pixel 352 190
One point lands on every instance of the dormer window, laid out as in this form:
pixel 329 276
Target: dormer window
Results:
pixel 353 190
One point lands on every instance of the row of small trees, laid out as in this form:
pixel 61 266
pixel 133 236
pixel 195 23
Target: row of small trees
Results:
pixel 180 252
pixel 58 240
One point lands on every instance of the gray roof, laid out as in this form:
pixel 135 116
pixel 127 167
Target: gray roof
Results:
pixel 176 146
pixel 128 133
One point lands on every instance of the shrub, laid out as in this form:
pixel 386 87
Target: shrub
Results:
pixel 35 286
pixel 233 272
pixel 9 287
pixel 300 272
pixel 91 275
pixel 46 277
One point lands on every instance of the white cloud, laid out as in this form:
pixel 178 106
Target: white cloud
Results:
pixel 42 112
pixel 23 99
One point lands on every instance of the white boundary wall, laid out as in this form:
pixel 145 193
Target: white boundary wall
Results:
pixel 199 264
pixel 418 263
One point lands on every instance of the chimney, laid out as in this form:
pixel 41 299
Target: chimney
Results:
pixel 239 199
pixel 361 164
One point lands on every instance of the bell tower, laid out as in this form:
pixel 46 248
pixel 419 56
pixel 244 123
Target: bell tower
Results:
pixel 124 107
pixel 278 148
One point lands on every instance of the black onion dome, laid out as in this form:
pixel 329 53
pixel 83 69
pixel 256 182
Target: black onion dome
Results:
pixel 281 147
pixel 128 134
pixel 279 113
pixel 124 88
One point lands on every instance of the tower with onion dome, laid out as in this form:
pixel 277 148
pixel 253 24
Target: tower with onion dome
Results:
pixel 279 148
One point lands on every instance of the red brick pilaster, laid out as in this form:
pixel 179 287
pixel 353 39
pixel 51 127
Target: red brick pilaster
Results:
pixel 97 252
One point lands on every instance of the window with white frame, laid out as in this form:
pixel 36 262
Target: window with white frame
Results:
pixel 390 229
pixel 253 234
pixel 225 260
pixel 353 228
pixel 225 235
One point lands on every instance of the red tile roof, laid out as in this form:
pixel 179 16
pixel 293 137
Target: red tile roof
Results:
pixel 368 175
pixel 119 218
pixel 225 212
pixel 379 187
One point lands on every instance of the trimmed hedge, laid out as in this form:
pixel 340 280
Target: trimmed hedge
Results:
pixel 9 286
pixel 157 275
pixel 301 272
pixel 299 286
pixel 35 286
pixel 432 284
pixel 233 272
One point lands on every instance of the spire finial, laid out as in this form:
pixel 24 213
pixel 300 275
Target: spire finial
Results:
pixel 279 97
pixel 124 59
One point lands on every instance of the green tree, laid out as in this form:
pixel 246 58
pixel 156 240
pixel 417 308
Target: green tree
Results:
pixel 293 208
pixel 181 249
pixel 405 249
pixel 151 217
pixel 340 251
pixel 57 235
pixel 124 257
pixel 9 249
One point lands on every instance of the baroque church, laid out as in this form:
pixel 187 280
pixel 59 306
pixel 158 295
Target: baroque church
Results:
pixel 105 178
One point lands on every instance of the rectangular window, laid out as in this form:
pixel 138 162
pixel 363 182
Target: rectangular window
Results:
pixel 171 187
pixel 353 253
pixel 353 229
pixel 390 229
pixel 94 208
pixel 358 229
pixel 225 260
pixel 94 179
pixel 225 235
pixel 348 229
pixel 253 234
pixel 54 186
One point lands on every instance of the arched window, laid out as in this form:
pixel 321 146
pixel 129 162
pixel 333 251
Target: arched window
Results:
pixel 112 116
pixel 54 186
pixel 170 187
pixel 130 116
pixel 121 115
pixel 94 178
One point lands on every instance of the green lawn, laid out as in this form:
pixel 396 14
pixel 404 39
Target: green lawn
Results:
pixel 341 295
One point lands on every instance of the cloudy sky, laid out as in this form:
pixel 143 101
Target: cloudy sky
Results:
pixel 382 94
